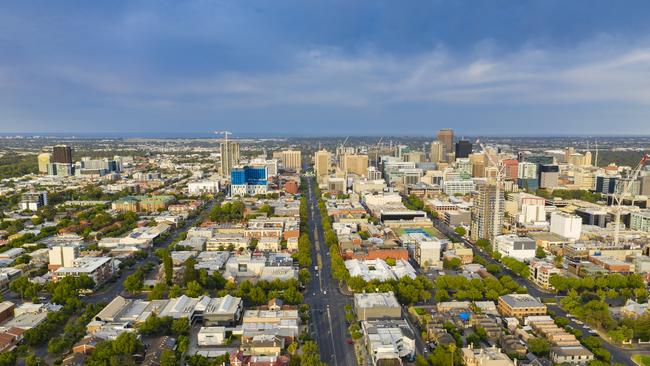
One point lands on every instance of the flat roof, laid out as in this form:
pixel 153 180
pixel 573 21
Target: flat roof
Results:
pixel 521 301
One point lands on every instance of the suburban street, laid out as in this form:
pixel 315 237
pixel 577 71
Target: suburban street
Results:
pixel 327 303
pixel 115 288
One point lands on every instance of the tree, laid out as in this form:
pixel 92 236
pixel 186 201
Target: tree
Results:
pixel 126 344
pixel 453 263
pixel 194 289
pixel 460 231
pixel 191 273
pixel 175 291
pixel 180 326
pixel 168 358
pixel 134 282
pixel 539 346
pixel 540 253
pixel 155 325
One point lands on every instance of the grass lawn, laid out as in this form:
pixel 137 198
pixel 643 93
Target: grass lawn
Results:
pixel 642 360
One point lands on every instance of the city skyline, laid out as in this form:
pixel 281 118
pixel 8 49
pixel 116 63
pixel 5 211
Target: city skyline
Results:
pixel 546 68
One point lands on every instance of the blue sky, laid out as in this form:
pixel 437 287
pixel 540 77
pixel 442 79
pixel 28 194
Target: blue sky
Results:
pixel 326 67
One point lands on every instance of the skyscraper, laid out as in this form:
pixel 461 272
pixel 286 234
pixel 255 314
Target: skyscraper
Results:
pixel 43 161
pixel 483 224
pixel 290 159
pixel 446 136
pixel 229 156
pixel 357 164
pixel 62 154
pixel 436 153
pixel 463 149
pixel 322 162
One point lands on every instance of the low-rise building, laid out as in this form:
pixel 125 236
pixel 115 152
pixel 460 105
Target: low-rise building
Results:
pixel 576 355
pixel 99 269
pixel 520 248
pixel 373 306
pixel 485 357
pixel 541 272
pixel 520 306
pixel 388 341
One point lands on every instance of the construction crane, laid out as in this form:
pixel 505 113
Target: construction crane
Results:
pixel 225 133
pixel 622 188
pixel 377 152
pixel 496 224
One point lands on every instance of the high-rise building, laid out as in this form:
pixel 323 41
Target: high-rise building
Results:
pixel 43 161
pixel 322 162
pixel 62 154
pixel 549 176
pixel 357 164
pixel 436 153
pixel 463 149
pixel 568 226
pixel 290 159
pixel 511 168
pixel 446 137
pixel 483 224
pixel 248 180
pixel 229 156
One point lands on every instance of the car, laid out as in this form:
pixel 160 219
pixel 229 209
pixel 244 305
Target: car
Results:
pixel 579 322
pixel 349 341
pixel 324 292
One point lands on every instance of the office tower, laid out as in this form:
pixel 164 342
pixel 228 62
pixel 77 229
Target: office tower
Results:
pixel 62 154
pixel 566 225
pixel 43 161
pixel 322 162
pixel 463 149
pixel 549 176
pixel 229 156
pixel 290 159
pixel 436 153
pixel 414 157
pixel 484 213
pixel 446 137
pixel 606 184
pixel 402 150
pixel 248 180
pixel 568 154
pixel 357 164
pixel 511 168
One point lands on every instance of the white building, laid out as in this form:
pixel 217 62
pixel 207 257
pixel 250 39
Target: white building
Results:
pixel 203 187
pixel 33 200
pixel 62 256
pixel 532 209
pixel 99 269
pixel 388 341
pixel 463 187
pixel 428 251
pixel 211 336
pixel 520 248
pixel 568 226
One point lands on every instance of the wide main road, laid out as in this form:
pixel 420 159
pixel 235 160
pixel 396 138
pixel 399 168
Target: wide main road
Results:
pixel 323 295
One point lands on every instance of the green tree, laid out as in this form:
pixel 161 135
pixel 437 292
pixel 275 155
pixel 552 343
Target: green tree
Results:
pixel 194 289
pixel 168 358
pixel 540 253
pixel 460 231
pixel 539 346
pixel 180 326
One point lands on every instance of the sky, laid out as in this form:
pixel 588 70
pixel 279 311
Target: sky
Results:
pixel 310 67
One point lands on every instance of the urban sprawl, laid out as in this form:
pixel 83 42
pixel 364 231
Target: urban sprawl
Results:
pixel 269 252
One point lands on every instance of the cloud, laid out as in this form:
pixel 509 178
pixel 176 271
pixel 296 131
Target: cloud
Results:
pixel 329 77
